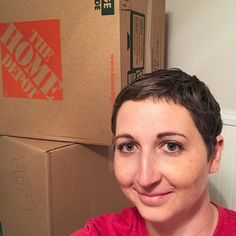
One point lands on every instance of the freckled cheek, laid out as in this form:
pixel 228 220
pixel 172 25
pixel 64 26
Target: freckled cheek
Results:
pixel 192 178
pixel 183 176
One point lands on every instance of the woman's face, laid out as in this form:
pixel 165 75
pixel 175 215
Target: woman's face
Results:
pixel 161 160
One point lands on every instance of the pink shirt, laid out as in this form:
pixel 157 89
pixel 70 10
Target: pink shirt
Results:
pixel 129 222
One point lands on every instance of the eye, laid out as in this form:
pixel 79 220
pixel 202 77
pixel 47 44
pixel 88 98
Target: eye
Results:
pixel 127 147
pixel 172 147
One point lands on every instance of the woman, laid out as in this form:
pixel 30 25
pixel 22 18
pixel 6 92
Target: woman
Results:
pixel 167 140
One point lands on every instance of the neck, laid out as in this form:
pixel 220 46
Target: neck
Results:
pixel 200 221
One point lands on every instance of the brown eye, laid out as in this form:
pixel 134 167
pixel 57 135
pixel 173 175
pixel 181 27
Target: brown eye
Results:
pixel 127 147
pixel 172 147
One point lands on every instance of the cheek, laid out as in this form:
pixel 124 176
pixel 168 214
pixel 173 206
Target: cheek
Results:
pixel 124 171
pixel 191 175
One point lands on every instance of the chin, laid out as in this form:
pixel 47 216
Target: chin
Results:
pixel 154 214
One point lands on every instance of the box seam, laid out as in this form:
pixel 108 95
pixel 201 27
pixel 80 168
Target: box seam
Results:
pixel 50 195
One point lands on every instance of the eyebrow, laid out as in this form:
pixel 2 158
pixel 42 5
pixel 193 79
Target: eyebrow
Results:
pixel 159 136
pixel 165 134
pixel 128 136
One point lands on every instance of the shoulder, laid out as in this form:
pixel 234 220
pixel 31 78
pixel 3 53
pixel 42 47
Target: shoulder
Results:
pixel 126 222
pixel 226 222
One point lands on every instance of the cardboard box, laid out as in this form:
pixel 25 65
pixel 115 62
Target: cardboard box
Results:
pixel 63 63
pixel 51 188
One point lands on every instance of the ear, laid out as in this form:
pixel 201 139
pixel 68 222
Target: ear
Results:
pixel 214 163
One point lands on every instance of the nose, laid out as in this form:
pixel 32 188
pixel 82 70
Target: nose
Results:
pixel 148 173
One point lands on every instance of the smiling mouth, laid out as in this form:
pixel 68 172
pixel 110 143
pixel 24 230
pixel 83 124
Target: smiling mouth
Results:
pixel 154 199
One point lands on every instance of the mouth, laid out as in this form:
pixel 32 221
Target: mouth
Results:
pixel 154 199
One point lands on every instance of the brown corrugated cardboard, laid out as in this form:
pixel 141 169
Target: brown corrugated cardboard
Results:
pixel 51 188
pixel 62 63
pixel 155 38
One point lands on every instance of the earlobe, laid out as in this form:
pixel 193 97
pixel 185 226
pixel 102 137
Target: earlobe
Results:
pixel 216 156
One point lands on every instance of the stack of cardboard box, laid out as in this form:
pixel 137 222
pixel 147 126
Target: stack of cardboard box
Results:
pixel 62 64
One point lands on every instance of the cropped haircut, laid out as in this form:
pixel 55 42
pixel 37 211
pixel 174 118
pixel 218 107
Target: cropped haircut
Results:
pixel 174 85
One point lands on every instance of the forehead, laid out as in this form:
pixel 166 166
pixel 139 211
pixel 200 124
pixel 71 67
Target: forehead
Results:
pixel 151 113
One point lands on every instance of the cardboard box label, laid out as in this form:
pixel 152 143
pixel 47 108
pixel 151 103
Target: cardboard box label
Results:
pixel 137 45
pixel 107 7
pixel 138 40
pixel 31 59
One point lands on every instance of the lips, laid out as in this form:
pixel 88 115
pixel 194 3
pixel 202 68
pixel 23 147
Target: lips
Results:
pixel 154 199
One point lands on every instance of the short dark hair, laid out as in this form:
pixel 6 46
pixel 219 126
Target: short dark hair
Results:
pixel 183 89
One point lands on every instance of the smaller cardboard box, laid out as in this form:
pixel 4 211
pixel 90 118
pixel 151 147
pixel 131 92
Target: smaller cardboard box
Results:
pixel 52 188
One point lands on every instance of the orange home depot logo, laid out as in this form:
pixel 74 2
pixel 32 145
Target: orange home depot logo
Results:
pixel 31 59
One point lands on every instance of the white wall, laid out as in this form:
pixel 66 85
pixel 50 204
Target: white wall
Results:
pixel 201 40
pixel 223 183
